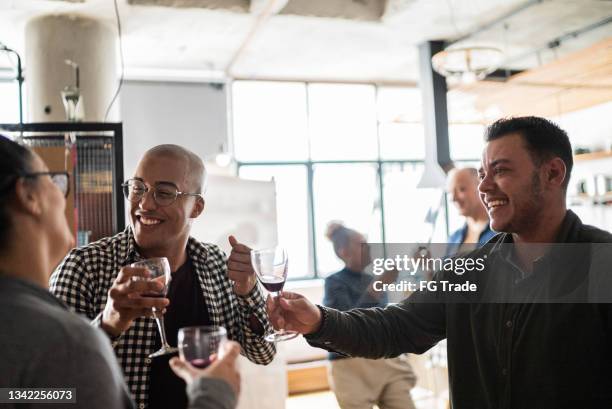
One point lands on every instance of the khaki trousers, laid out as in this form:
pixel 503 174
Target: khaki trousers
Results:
pixel 362 383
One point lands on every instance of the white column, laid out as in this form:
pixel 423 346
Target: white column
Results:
pixel 92 44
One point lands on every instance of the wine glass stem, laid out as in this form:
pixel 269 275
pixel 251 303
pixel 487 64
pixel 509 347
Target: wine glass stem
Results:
pixel 277 295
pixel 162 329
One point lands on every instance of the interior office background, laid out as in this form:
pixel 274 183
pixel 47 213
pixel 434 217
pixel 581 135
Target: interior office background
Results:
pixel 331 109
pixel 352 152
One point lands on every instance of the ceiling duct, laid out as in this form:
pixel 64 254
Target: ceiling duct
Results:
pixel 364 10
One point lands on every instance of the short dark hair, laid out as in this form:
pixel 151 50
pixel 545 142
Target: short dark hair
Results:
pixel 16 160
pixel 544 139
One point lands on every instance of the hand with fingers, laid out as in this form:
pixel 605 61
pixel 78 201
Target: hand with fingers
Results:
pixel 222 368
pixel 128 300
pixel 239 267
pixel 292 311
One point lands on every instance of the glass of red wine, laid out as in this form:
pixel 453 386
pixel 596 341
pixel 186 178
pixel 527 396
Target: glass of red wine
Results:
pixel 270 265
pixel 159 270
pixel 197 344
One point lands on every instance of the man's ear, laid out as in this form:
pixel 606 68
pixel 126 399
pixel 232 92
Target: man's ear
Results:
pixel 198 207
pixel 556 172
pixel 26 198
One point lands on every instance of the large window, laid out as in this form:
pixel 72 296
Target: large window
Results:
pixel 338 152
pixel 9 102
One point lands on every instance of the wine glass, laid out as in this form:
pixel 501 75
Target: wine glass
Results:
pixel 197 344
pixel 159 270
pixel 270 265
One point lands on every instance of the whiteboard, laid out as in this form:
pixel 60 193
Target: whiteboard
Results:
pixel 243 208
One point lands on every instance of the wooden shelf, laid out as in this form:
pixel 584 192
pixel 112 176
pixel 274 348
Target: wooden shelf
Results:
pixel 599 200
pixel 593 156
pixel 308 377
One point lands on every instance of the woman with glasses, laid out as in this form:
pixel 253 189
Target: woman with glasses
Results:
pixel 42 344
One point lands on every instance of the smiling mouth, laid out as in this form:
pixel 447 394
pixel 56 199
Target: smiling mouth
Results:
pixel 494 204
pixel 148 221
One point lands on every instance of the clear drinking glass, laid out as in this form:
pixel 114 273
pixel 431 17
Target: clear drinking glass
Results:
pixel 159 268
pixel 270 265
pixel 197 344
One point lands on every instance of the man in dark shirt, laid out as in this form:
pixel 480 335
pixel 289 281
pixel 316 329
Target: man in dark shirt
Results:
pixel 537 350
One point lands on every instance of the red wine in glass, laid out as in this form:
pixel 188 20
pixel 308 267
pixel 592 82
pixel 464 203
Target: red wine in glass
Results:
pixel 272 283
pixel 270 265
pixel 197 344
pixel 159 270
pixel 200 362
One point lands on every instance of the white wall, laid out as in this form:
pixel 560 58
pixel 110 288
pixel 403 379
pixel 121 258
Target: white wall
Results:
pixel 191 114
pixel 591 127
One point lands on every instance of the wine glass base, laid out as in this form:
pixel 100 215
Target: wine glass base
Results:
pixel 281 336
pixel 164 351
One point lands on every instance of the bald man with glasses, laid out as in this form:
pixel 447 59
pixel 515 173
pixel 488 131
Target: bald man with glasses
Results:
pixel 164 197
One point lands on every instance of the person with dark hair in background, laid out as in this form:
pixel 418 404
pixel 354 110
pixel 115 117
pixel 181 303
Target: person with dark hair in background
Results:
pixel 538 352
pixel 42 343
pixel 165 197
pixel 462 185
pixel 360 383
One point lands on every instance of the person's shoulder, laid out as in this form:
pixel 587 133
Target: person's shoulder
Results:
pixel 105 246
pixel 592 234
pixel 337 276
pixel 207 257
pixel 41 320
pixel 456 236
pixel 203 250
pixel 485 249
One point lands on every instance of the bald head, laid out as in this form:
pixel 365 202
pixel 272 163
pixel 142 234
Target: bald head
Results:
pixel 463 187
pixel 466 174
pixel 196 172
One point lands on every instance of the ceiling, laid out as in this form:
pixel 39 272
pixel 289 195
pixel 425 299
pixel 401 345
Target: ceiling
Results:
pixel 571 83
pixel 324 40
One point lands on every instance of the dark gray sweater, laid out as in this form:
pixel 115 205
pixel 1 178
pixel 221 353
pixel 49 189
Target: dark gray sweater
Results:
pixel 43 345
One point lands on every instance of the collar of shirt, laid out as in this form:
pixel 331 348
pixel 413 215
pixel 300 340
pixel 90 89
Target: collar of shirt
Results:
pixel 568 233
pixel 194 249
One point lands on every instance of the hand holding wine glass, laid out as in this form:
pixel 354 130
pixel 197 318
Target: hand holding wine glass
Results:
pixel 125 302
pixel 223 367
pixel 159 272
pixel 270 265
pixel 197 344
pixel 294 312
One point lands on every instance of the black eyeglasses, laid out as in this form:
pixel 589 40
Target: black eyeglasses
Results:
pixel 60 179
pixel 164 194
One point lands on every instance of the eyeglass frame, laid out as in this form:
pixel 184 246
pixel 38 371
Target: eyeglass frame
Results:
pixel 50 174
pixel 125 185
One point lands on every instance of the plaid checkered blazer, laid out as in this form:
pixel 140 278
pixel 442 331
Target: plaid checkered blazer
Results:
pixel 85 276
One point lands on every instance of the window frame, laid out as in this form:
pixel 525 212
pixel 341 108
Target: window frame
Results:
pixel 310 165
